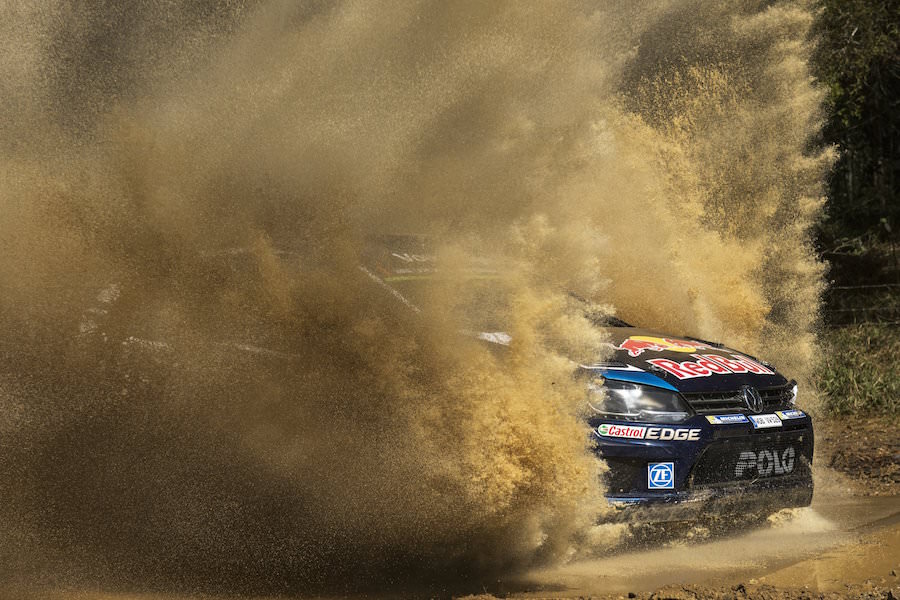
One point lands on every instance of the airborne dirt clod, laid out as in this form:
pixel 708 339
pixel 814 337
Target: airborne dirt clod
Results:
pixel 659 164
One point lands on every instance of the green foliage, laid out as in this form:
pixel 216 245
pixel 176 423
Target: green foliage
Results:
pixel 858 63
pixel 859 372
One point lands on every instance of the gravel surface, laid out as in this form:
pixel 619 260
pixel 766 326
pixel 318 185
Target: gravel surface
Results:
pixel 867 450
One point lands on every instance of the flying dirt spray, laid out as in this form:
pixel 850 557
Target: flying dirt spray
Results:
pixel 654 158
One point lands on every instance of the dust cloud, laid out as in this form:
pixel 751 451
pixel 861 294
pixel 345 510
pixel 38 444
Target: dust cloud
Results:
pixel 282 423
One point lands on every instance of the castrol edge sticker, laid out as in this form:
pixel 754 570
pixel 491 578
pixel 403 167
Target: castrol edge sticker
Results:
pixel 643 432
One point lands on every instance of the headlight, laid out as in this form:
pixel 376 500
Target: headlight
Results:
pixel 794 390
pixel 633 402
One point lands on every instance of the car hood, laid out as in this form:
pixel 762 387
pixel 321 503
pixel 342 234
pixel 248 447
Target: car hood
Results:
pixel 681 363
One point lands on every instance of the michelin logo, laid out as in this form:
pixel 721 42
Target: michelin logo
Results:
pixel 661 476
pixel 784 415
pixel 726 419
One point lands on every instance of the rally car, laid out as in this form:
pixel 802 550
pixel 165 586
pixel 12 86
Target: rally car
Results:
pixel 687 427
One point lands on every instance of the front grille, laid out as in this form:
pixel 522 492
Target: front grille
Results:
pixel 779 396
pixel 771 457
pixel 710 402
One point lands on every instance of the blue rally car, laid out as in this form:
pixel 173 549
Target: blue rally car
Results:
pixel 686 427
pixel 689 427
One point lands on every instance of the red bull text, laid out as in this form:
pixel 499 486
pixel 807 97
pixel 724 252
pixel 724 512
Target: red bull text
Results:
pixel 710 364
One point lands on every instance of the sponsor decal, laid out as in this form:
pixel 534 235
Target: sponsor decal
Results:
pixel 643 432
pixel 784 415
pixel 705 365
pixel 670 433
pixel 727 419
pixel 635 432
pixel 765 421
pixel 638 344
pixel 766 463
pixel 661 476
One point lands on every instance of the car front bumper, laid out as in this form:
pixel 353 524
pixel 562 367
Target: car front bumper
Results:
pixel 711 501
pixel 730 470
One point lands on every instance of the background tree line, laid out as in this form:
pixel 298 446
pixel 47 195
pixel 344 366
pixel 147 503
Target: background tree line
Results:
pixel 858 62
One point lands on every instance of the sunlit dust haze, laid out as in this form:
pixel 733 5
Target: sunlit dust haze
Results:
pixel 287 424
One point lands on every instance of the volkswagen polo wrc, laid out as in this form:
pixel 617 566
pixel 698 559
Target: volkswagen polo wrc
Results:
pixel 685 426
pixel 689 427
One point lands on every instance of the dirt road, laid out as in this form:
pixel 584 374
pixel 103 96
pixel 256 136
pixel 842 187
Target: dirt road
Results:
pixel 842 539
pixel 847 544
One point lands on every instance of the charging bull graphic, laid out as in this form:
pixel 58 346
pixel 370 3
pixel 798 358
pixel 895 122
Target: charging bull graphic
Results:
pixel 638 344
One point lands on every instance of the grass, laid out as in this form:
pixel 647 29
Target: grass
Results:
pixel 859 373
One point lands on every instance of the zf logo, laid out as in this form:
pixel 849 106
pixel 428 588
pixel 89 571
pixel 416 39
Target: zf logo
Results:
pixel 661 476
pixel 766 462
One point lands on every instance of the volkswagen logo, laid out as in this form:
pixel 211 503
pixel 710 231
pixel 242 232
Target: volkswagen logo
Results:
pixel 752 399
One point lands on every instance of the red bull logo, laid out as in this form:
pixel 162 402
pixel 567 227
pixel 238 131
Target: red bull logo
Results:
pixel 705 365
pixel 638 344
